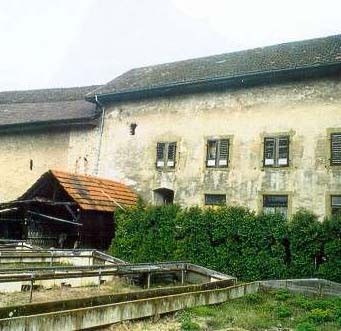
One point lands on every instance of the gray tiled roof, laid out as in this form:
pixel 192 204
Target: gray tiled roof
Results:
pixel 290 56
pixel 32 107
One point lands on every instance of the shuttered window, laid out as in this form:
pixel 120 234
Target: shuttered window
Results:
pixel 335 149
pixel 336 205
pixel 217 153
pixel 165 155
pixel 275 204
pixel 215 199
pixel 276 151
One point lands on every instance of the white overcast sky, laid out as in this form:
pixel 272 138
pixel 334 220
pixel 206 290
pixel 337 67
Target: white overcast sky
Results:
pixel 62 43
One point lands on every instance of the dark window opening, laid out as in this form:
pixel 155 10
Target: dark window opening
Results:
pixel 336 205
pixel 165 155
pixel 215 199
pixel 132 129
pixel 163 196
pixel 335 157
pixel 275 204
pixel 217 153
pixel 31 164
pixel 276 152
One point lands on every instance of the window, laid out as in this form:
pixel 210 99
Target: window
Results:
pixel 335 156
pixel 276 151
pixel 215 199
pixel 336 205
pixel 165 155
pixel 217 153
pixel 275 204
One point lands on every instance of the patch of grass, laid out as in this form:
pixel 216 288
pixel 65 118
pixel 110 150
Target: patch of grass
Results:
pixel 283 312
pixel 282 295
pixel 273 309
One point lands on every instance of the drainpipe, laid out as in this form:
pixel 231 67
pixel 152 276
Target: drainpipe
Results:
pixel 100 105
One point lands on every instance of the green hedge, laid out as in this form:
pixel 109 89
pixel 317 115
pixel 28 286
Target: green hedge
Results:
pixel 233 240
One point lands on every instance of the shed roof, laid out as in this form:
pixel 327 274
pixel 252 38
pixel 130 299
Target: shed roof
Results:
pixel 94 193
pixel 89 192
pixel 307 54
pixel 62 106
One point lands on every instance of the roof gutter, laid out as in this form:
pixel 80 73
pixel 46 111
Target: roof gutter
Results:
pixel 251 78
pixel 99 146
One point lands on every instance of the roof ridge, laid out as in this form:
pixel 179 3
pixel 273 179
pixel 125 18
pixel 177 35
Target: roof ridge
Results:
pixel 225 68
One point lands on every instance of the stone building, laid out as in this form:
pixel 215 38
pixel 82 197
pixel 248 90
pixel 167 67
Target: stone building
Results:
pixel 42 130
pixel 259 128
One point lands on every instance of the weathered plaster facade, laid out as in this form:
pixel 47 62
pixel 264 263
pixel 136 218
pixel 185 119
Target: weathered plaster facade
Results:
pixel 306 111
pixel 25 156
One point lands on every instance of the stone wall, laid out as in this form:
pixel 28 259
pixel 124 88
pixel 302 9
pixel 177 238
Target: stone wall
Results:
pixel 305 111
pixel 25 156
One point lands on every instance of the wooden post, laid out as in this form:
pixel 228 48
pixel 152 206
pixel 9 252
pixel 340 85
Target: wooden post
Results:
pixel 31 289
pixel 182 276
pixel 148 280
pixel 99 277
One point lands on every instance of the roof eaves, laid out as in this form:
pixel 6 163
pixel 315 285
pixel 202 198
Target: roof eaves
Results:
pixel 63 123
pixel 224 82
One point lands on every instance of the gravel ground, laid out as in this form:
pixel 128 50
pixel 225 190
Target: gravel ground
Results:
pixel 63 293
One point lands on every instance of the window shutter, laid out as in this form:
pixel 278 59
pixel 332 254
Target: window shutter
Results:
pixel 336 149
pixel 269 151
pixel 283 151
pixel 223 152
pixel 171 155
pixel 211 153
pixel 160 155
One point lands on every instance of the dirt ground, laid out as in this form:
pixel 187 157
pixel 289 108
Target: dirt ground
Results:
pixel 165 324
pixel 63 293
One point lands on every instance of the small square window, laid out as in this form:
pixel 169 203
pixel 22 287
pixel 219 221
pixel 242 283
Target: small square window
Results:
pixel 166 155
pixel 336 205
pixel 276 151
pixel 335 149
pixel 217 153
pixel 275 204
pixel 215 199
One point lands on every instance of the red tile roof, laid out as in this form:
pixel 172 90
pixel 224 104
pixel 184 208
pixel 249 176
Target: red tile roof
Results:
pixel 94 193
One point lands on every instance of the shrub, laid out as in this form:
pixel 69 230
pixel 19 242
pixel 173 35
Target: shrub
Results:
pixel 319 315
pixel 331 268
pixel 306 244
pixel 233 240
pixel 283 312
pixel 282 295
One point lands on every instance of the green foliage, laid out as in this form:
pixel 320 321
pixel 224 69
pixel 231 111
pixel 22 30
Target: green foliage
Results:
pixel 233 240
pixel 306 244
pixel 283 312
pixel 319 315
pixel 305 326
pixel 254 298
pixel 331 268
pixel 282 295
pixel 187 324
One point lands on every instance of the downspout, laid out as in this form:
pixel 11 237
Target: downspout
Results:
pixel 100 105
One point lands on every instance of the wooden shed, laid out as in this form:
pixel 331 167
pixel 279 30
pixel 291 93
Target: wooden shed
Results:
pixel 66 210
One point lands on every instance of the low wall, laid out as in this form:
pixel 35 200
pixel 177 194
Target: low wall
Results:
pixel 312 286
pixel 78 319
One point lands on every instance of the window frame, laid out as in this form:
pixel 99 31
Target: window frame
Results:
pixel 276 159
pixel 218 152
pixel 216 195
pixel 331 196
pixel 165 159
pixel 331 134
pixel 289 194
